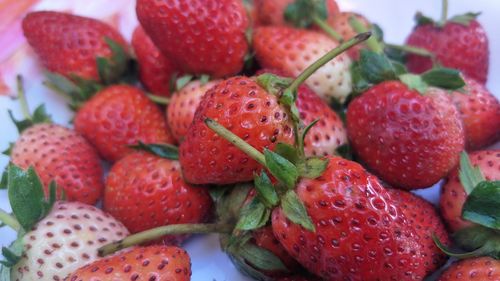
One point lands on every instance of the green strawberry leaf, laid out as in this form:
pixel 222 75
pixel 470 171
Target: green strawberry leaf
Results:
pixel 78 91
pixel 217 192
pixel 399 67
pixel 464 19
pixel 359 83
pixel 253 215
pixel 445 78
pixel 182 81
pixel 3 181
pixel 12 255
pixel 308 128
pixel 273 84
pixel 344 151
pixel 482 203
pixel 469 176
pixel 414 82
pixel 39 116
pixel 474 237
pixel 420 19
pixel 295 210
pixel 376 68
pixel 8 151
pixel 229 205
pixel 111 69
pixel 313 167
pixel 285 171
pixel 377 32
pixel 289 152
pixel 162 150
pixel 302 13
pixel 204 78
pixel 261 258
pixel 265 190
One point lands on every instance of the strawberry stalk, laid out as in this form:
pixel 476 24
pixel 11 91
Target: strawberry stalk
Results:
pixel 411 50
pixel 444 13
pixel 22 98
pixel 372 43
pixel 159 99
pixel 9 220
pixel 327 29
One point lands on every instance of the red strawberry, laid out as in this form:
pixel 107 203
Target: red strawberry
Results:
pixel 341 24
pixel 159 263
pixel 410 140
pixel 244 108
pixel 484 269
pixel 69 44
pixel 202 37
pixel 155 69
pixel 360 233
pixel 60 154
pixel 461 45
pixel 119 116
pixel 183 105
pixel 453 195
pixel 291 51
pixel 425 219
pixel 273 12
pixel 144 191
pixel 480 112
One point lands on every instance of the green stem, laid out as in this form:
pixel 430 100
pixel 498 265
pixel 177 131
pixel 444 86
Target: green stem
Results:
pixel 22 98
pixel 327 29
pixel 159 99
pixel 444 13
pixel 237 141
pixel 159 232
pixel 411 50
pixel 9 220
pixel 359 27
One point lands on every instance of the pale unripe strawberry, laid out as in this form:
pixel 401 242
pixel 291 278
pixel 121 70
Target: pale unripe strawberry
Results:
pixel 65 240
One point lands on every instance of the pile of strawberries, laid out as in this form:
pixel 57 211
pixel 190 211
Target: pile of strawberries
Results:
pixel 287 126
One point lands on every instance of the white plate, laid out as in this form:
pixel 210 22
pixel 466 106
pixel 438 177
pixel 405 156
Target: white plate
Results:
pixel 209 263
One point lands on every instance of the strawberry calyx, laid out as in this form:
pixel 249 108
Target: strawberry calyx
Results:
pixel 464 19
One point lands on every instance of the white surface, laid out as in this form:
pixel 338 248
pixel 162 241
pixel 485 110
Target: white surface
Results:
pixel 396 19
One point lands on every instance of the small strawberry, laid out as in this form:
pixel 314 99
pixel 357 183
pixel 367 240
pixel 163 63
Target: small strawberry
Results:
pixel 291 51
pixel 160 263
pixel 71 45
pixel 144 191
pixel 484 269
pixel 460 42
pixel 273 12
pixel 424 217
pixel 183 105
pixel 155 70
pixel 480 111
pixel 453 195
pixel 119 116
pixel 202 37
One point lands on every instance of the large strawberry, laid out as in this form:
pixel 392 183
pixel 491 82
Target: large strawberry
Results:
pixel 291 51
pixel 119 116
pixel 156 71
pixel 460 42
pixel 71 45
pixel 202 37
pixel 484 268
pixel 480 111
pixel 56 237
pixel 159 263
pixel 144 191
pixel 183 105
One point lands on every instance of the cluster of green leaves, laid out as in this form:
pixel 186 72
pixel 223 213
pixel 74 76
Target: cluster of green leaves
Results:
pixel 304 13
pixel 464 19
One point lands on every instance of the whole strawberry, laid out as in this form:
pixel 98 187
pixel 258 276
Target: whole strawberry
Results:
pixel 160 263
pixel 144 191
pixel 119 116
pixel 155 70
pixel 273 12
pixel 480 112
pixel 183 105
pixel 70 45
pixel 291 51
pixel 202 37
pixel 460 42
pixel 484 268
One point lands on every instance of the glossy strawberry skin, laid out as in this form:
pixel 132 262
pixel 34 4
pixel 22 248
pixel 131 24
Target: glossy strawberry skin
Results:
pixel 453 195
pixel 243 107
pixel 144 191
pixel 202 37
pixel 119 116
pixel 273 12
pixel 155 70
pixel 480 112
pixel 483 268
pixel 410 140
pixel 160 263
pixel 61 154
pixel 360 233
pixel 423 216
pixel 69 44
pixel 183 105
pixel 455 45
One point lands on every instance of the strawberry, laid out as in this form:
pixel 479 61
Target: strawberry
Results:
pixel 484 268
pixel 460 43
pixel 183 104
pixel 70 45
pixel 424 217
pixel 145 191
pixel 273 12
pixel 155 70
pixel 453 194
pixel 160 263
pixel 479 110
pixel 341 24
pixel 61 154
pixel 202 37
pixel 360 233
pixel 291 51
pixel 119 116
